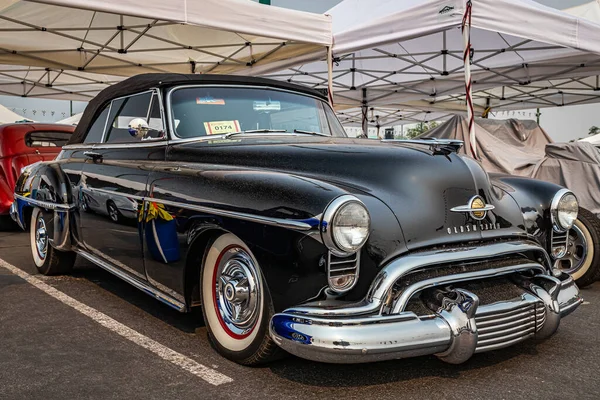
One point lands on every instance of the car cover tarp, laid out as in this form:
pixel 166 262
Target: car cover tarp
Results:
pixel 521 147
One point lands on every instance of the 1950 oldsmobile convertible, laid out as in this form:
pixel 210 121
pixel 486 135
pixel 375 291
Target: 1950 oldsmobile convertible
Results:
pixel 244 196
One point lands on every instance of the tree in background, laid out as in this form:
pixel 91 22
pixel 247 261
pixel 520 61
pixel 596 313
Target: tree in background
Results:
pixel 421 128
pixel 594 130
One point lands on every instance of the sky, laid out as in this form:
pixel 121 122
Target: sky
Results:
pixel 562 124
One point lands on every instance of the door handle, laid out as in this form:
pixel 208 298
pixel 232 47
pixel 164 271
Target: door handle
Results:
pixel 92 154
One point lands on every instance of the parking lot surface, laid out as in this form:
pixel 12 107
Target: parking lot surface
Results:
pixel 90 335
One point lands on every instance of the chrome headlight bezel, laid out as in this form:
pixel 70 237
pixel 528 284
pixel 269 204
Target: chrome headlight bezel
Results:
pixel 555 209
pixel 327 227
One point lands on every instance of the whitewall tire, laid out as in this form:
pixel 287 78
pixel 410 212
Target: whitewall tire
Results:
pixel 47 259
pixel 236 304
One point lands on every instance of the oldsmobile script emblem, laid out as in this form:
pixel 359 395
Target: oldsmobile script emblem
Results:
pixel 476 208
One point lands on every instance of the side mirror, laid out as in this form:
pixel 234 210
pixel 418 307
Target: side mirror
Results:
pixel 138 128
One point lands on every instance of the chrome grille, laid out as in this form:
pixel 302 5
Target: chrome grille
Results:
pixel 559 239
pixel 340 266
pixel 500 327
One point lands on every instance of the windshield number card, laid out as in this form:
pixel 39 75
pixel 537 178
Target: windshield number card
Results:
pixel 221 127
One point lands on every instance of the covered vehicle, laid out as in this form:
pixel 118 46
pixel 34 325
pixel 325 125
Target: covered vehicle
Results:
pixel 522 147
pixel 254 205
pixel 21 145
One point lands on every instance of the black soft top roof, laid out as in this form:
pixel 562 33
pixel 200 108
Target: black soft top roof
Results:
pixel 142 82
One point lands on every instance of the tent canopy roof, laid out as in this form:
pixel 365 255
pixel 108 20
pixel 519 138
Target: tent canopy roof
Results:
pixel 87 44
pixel 412 50
pixel 8 117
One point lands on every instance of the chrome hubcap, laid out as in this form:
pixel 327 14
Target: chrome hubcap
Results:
pixel 576 251
pixel 237 291
pixel 41 237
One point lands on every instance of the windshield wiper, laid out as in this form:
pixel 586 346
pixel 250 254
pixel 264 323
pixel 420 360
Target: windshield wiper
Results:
pixel 310 133
pixel 228 135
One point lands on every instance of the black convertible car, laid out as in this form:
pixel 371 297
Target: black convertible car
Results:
pixel 244 196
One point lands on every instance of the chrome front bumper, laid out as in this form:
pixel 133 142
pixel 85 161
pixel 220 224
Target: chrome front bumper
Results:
pixel 455 331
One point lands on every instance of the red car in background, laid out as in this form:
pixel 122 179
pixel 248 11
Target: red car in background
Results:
pixel 21 145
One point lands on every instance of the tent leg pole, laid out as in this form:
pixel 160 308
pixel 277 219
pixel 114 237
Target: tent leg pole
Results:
pixel 330 75
pixel 466 30
pixel 365 111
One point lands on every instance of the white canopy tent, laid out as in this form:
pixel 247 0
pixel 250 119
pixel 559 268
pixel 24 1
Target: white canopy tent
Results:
pixel 412 50
pixel 72 120
pixel 595 140
pixel 74 48
pixel 8 117
pixel 589 11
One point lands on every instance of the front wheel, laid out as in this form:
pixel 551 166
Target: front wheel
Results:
pixel 46 258
pixel 582 261
pixel 236 303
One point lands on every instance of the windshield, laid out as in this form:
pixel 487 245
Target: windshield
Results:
pixel 202 111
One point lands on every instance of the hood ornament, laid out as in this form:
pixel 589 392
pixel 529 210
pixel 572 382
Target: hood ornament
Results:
pixel 476 208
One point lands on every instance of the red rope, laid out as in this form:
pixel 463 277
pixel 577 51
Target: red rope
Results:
pixel 466 58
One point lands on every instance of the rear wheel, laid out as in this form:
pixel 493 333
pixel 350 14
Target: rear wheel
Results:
pixel 47 259
pixel 236 303
pixel 113 211
pixel 582 261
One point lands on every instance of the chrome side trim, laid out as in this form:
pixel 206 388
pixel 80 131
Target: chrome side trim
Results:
pixel 102 146
pixel 112 193
pixel 282 223
pixel 45 204
pixel 144 287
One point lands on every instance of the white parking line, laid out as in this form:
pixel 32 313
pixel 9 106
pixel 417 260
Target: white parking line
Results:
pixel 208 374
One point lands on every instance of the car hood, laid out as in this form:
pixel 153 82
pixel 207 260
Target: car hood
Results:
pixel 420 186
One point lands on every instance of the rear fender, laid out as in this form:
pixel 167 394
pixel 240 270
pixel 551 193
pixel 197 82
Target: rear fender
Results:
pixel 46 186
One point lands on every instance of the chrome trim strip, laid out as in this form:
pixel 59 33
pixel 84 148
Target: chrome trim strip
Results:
pixel 115 145
pixel 467 209
pixel 45 204
pixel 121 194
pixel 282 223
pixel 103 137
pixel 168 300
pixel 96 253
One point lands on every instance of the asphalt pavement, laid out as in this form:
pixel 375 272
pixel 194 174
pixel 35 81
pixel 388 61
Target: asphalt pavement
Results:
pixel 91 335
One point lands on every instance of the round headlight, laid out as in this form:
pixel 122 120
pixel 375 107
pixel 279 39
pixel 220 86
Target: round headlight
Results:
pixel 564 210
pixel 346 225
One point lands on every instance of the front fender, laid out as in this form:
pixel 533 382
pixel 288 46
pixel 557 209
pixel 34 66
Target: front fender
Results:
pixel 534 197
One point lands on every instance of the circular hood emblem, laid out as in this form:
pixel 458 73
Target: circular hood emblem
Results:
pixel 477 203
